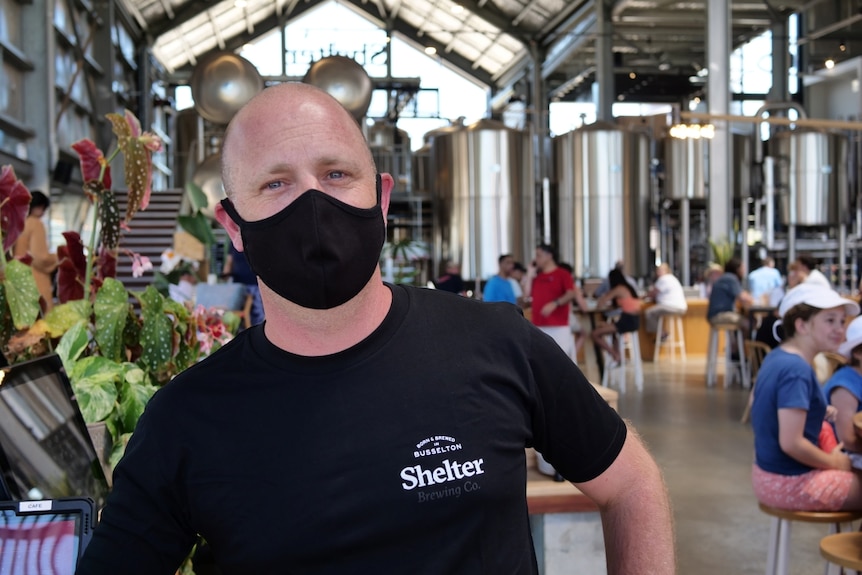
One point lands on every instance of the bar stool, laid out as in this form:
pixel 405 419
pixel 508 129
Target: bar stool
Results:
pixel 842 550
pixel 628 344
pixel 779 531
pixel 675 337
pixel 730 330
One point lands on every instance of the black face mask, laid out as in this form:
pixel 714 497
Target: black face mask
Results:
pixel 318 252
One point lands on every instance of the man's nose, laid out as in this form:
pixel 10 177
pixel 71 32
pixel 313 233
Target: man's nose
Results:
pixel 308 182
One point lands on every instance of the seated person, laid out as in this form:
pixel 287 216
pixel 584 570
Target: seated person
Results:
pixel 791 470
pixel 669 298
pixel 727 294
pixel 844 388
pixel 575 323
pixel 451 281
pixel 626 299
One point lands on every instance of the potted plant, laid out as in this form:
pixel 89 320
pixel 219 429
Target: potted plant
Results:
pixel 722 250
pixel 115 356
pixel 404 260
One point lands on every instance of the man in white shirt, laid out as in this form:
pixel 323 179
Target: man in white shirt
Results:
pixel 668 295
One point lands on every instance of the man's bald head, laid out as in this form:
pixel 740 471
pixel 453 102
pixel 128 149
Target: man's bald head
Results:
pixel 293 106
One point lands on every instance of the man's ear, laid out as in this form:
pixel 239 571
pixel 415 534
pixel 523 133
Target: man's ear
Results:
pixel 387 183
pixel 230 226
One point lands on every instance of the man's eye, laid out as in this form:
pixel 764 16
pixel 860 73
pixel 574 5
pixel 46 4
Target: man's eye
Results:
pixel 273 185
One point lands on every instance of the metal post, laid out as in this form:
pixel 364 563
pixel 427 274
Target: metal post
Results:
pixel 603 87
pixel 718 97
pixel 685 241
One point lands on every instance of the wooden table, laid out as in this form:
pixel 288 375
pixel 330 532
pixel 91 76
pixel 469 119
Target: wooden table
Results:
pixel 844 549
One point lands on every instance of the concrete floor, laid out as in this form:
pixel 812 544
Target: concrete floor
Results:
pixel 706 455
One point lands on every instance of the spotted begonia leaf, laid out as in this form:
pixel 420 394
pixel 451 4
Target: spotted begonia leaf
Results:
pixel 111 308
pixel 109 220
pixel 92 159
pixel 14 206
pixel 65 316
pixel 137 150
pixel 156 330
pixel 22 294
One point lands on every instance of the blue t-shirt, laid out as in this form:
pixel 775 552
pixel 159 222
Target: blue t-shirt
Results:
pixel 763 280
pixel 499 289
pixel 848 378
pixel 785 380
pixel 723 295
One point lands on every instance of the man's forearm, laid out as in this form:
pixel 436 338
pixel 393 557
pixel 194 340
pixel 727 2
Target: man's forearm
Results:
pixel 638 530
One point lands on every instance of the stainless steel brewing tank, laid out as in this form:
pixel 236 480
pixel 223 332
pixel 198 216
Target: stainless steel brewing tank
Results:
pixel 684 168
pixel 602 174
pixel 812 176
pixel 390 147
pixel 482 182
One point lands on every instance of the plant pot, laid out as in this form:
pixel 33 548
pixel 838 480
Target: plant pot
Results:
pixel 103 444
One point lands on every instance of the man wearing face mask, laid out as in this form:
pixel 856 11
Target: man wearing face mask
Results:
pixel 338 436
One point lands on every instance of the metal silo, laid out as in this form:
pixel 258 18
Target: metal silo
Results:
pixel 482 182
pixel 684 169
pixel 390 147
pixel 812 176
pixel 603 197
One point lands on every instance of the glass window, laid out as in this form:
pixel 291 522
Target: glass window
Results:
pixel 62 20
pixel 124 41
pixel 12 91
pixel 64 64
pixel 13 146
pixel 751 66
pixel 10 22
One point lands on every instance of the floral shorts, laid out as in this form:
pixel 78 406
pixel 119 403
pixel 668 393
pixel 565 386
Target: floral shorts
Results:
pixel 817 490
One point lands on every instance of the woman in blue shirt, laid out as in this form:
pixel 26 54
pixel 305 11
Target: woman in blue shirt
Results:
pixel 790 470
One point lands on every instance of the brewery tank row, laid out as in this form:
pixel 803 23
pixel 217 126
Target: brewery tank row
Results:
pixel 603 198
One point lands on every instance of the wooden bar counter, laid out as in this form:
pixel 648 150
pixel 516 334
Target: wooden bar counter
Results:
pixel 694 325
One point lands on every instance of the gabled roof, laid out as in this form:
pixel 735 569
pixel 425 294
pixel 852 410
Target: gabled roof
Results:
pixel 495 41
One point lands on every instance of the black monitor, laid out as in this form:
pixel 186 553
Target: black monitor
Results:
pixel 46 537
pixel 45 448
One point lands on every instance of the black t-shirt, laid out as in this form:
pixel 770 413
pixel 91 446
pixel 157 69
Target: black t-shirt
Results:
pixel 402 454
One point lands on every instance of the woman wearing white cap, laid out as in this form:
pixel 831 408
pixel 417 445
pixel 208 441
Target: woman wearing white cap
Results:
pixel 790 470
pixel 844 388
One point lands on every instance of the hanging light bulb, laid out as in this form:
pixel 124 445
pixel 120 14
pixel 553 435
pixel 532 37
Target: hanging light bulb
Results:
pixel 842 46
pixel 829 63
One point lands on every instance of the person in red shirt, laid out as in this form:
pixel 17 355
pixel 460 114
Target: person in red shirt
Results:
pixel 551 289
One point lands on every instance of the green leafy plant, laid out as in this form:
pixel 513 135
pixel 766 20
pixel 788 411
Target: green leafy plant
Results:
pixel 723 250
pixel 116 354
pixel 403 260
pixel 196 223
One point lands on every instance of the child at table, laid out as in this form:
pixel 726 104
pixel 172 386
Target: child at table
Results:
pixel 844 389
pixel 790 471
